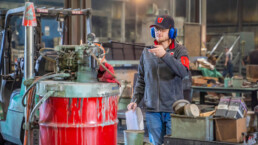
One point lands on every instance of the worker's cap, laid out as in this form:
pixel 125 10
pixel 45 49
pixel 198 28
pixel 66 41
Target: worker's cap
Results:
pixel 164 21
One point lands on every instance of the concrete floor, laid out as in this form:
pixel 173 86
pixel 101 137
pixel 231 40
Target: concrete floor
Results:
pixel 8 143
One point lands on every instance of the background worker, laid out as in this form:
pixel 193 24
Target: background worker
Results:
pixel 228 65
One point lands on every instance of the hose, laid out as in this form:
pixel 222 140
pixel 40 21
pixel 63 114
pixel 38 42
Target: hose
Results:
pixel 46 96
pixel 104 52
pixel 27 130
pixel 28 108
pixel 43 78
pixel 46 57
pixel 29 114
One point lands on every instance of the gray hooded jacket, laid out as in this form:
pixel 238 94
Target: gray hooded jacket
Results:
pixel 159 80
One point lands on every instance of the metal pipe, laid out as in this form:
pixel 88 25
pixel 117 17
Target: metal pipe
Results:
pixel 241 56
pixel 109 26
pixel 236 58
pixel 173 8
pixel 240 14
pixel 188 10
pixel 60 29
pixel 200 11
pixel 81 25
pixel 63 35
pixel 234 44
pixel 88 18
pixel 218 59
pixel 203 20
pixel 217 44
pixel 128 44
pixel 71 46
pixel 136 21
pixel 123 22
pixel 29 53
pixel 88 24
pixel 233 25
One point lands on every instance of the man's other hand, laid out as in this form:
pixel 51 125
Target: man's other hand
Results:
pixel 132 106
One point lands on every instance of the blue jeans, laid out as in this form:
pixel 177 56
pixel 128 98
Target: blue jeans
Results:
pixel 159 125
pixel 228 70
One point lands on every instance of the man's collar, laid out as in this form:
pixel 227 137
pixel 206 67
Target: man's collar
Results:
pixel 171 46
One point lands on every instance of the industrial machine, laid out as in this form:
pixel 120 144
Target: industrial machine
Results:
pixel 77 105
pixel 74 108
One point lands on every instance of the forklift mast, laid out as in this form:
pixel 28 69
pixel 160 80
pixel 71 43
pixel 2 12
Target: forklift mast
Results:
pixel 11 81
pixel 61 16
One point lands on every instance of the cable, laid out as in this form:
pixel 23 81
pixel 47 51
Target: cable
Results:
pixel 43 78
pixel 46 57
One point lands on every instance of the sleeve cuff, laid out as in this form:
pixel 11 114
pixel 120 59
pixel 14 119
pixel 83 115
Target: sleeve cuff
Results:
pixel 165 57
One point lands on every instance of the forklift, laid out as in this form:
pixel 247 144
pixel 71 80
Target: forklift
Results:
pixel 12 109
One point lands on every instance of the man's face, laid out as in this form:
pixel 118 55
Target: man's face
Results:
pixel 161 34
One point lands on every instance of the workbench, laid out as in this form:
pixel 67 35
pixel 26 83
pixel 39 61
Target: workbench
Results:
pixel 203 91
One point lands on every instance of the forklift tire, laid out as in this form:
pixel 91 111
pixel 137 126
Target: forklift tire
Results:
pixel 2 141
pixel 22 131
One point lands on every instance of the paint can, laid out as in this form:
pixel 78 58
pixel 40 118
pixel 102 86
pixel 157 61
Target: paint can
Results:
pixel 133 137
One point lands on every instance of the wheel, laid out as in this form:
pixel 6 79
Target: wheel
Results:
pixel 1 139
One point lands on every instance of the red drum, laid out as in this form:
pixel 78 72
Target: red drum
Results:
pixel 79 120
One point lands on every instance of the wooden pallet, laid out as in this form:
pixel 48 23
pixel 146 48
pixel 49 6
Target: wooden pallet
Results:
pixel 253 80
pixel 252 73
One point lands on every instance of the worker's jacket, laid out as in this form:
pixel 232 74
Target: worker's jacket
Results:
pixel 159 80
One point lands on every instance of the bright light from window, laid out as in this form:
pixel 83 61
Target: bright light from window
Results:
pixel 139 1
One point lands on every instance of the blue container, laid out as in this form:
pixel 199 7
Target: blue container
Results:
pixel 226 81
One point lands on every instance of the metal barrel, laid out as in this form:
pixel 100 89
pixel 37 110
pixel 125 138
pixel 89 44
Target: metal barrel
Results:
pixel 78 113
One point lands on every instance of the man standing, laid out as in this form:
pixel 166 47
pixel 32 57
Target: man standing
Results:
pixel 251 58
pixel 161 70
pixel 228 64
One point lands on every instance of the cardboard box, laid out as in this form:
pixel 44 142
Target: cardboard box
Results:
pixel 196 128
pixel 230 130
pixel 237 108
pixel 252 73
pixel 209 78
pixel 223 106
pixel 200 80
